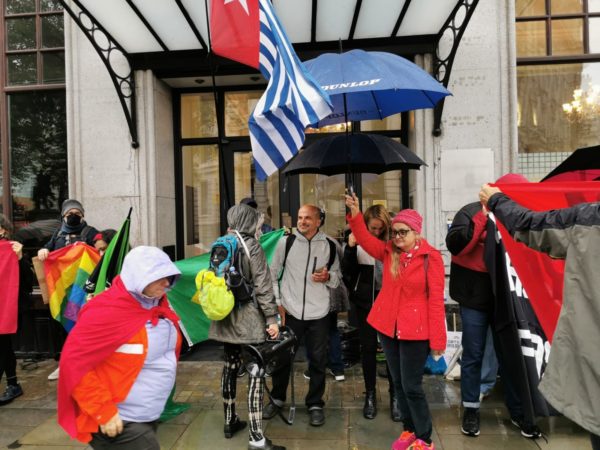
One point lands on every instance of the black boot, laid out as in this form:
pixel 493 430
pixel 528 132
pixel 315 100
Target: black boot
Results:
pixel 395 413
pixel 370 408
pixel 230 429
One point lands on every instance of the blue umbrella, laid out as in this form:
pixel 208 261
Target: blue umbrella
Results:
pixel 373 85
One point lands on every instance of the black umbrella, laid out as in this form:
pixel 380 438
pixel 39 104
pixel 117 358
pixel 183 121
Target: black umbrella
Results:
pixel 37 233
pixel 356 153
pixel 581 165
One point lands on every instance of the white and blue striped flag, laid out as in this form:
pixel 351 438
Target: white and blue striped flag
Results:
pixel 292 101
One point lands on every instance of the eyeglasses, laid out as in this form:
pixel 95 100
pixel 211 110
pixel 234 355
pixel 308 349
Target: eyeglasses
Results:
pixel 401 232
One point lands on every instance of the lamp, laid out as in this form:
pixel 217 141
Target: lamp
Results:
pixel 585 104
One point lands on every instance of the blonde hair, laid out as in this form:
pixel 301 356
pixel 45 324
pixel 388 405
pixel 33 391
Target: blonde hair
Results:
pixel 379 212
pixel 395 266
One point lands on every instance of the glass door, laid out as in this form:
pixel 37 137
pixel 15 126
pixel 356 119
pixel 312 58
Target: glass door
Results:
pixel 201 198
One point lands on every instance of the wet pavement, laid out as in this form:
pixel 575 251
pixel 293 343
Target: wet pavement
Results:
pixel 30 421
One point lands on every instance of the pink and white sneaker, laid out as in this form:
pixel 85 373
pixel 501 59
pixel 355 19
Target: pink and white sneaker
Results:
pixel 404 441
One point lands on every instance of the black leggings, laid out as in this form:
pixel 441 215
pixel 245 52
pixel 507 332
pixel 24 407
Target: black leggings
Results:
pixel 8 361
pixel 256 390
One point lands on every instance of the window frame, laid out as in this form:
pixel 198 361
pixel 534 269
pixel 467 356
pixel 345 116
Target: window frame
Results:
pixel 548 18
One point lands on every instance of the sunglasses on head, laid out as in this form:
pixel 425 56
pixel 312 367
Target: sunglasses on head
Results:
pixel 401 232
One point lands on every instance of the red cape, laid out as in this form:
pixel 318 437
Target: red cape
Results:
pixel 104 323
pixel 9 293
pixel 542 276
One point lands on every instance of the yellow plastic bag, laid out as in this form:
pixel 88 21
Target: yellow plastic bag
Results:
pixel 213 295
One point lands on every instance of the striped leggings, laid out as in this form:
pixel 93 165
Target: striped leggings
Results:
pixel 256 389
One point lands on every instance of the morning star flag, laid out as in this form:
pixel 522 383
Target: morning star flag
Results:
pixel 194 323
pixel 67 270
pixel 249 32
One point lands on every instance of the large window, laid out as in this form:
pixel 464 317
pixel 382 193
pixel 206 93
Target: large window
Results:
pixel 558 81
pixel 34 47
pixel 32 107
pixel 38 154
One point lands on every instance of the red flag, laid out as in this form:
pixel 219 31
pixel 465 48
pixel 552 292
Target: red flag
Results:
pixel 9 294
pixel 234 30
pixel 542 276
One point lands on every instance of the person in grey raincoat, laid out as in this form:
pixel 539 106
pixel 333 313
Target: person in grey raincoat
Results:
pixel 571 382
pixel 246 324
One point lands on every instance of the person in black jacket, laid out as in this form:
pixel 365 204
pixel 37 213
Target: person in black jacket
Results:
pixel 362 276
pixel 8 361
pixel 471 287
pixel 73 229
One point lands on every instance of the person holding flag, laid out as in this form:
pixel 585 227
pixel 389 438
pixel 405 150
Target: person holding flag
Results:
pixel 72 229
pixel 471 286
pixel 571 381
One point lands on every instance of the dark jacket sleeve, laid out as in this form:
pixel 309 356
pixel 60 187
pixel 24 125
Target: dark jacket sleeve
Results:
pixel 547 231
pixel 466 229
pixel 350 266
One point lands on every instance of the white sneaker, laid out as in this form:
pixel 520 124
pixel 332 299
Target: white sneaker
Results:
pixel 54 375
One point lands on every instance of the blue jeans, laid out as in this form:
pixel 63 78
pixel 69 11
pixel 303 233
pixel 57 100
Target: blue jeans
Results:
pixel 406 361
pixel 489 365
pixel 475 326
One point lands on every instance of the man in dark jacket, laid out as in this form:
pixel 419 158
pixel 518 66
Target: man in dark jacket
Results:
pixel 471 287
pixel 570 383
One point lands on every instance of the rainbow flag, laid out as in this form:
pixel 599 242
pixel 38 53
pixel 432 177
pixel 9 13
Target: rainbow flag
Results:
pixel 67 270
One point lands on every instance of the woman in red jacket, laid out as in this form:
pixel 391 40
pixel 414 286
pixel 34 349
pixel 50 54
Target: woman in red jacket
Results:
pixel 408 314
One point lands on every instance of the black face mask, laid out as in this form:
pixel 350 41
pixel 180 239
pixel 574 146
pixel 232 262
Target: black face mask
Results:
pixel 73 220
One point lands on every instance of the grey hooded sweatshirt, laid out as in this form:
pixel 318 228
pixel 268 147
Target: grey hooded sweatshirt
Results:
pixel 247 323
pixel 298 294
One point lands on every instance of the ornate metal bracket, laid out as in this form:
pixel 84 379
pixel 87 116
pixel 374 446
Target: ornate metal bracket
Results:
pixel 116 60
pixel 453 30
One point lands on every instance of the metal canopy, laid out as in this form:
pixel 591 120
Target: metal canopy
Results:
pixel 170 37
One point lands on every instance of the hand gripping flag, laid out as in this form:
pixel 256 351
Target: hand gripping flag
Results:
pixel 249 32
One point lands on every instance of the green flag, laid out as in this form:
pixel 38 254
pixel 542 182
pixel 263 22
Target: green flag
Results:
pixel 194 322
pixel 112 260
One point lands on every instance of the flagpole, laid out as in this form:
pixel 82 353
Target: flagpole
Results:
pixel 218 111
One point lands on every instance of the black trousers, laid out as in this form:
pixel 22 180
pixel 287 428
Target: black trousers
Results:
pixel 316 335
pixel 406 360
pixel 135 436
pixel 8 361
pixel 368 349
pixel 595 441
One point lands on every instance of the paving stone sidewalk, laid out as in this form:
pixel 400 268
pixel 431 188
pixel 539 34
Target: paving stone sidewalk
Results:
pixel 30 421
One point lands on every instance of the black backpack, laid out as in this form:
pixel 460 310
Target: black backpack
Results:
pixel 225 261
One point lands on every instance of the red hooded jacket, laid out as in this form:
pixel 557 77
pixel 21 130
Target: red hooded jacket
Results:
pixel 411 306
